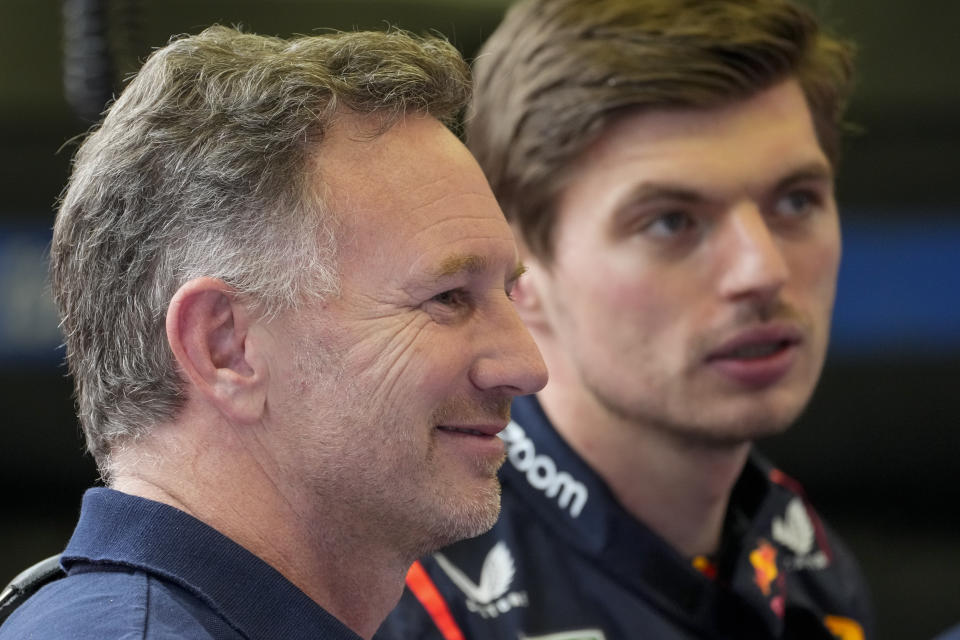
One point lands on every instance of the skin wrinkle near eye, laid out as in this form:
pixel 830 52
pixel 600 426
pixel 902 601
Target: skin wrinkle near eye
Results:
pixel 393 352
pixel 405 336
pixel 401 341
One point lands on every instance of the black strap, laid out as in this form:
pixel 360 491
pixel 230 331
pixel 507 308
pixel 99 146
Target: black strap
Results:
pixel 29 582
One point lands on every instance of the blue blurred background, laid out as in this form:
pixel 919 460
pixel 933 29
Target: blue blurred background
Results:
pixel 876 448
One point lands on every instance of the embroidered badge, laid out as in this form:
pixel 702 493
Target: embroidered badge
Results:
pixel 796 533
pixel 491 596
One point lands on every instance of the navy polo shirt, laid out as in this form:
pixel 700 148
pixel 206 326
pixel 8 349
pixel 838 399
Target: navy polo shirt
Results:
pixel 141 569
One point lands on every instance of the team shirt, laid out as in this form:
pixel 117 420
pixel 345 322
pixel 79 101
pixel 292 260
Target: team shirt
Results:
pixel 141 569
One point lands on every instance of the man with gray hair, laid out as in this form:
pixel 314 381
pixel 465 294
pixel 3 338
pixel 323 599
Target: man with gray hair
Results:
pixel 284 286
pixel 668 168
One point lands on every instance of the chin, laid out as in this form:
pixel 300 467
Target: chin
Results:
pixel 754 424
pixel 769 413
pixel 459 519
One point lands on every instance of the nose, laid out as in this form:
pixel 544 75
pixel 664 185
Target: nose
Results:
pixel 753 265
pixel 509 359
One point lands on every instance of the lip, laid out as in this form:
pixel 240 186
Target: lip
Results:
pixel 482 443
pixel 482 430
pixel 764 370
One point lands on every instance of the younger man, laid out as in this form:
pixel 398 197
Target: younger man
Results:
pixel 668 168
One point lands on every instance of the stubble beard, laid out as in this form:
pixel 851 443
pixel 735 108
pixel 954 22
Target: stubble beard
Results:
pixel 702 423
pixel 696 426
pixel 456 518
pixel 461 519
pixel 416 503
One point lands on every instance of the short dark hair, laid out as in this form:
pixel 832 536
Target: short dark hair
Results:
pixel 556 73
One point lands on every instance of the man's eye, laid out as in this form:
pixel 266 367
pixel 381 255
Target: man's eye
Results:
pixel 670 224
pixel 797 204
pixel 451 298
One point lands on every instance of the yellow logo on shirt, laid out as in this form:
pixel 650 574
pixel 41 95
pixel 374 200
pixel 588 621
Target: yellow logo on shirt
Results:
pixel 764 561
pixel 844 628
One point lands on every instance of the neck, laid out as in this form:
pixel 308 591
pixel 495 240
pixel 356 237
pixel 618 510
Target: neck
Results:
pixel 678 488
pixel 355 579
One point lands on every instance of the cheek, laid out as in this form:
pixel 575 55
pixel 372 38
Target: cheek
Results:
pixel 641 295
pixel 613 287
pixel 432 363
pixel 616 312
pixel 387 363
pixel 435 362
pixel 816 266
pixel 641 302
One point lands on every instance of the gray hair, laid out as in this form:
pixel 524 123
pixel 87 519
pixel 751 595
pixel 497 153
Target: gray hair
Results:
pixel 204 167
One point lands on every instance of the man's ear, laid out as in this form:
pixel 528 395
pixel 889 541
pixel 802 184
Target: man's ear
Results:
pixel 208 331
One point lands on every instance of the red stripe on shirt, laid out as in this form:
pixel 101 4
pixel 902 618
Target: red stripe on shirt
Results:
pixel 420 584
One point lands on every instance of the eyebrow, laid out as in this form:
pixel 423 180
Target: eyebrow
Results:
pixel 811 172
pixel 470 263
pixel 647 191
pixel 657 190
pixel 518 271
pixel 457 263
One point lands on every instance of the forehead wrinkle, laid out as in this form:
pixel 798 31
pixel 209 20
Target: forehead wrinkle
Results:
pixel 464 199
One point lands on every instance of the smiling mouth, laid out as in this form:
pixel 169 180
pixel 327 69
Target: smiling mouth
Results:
pixel 475 442
pixel 470 432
